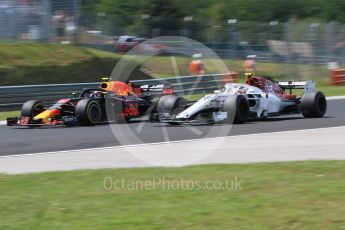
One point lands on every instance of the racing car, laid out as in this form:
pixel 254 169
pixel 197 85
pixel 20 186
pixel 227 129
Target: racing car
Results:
pixel 259 98
pixel 89 106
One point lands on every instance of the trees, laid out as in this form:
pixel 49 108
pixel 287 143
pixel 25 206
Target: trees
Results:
pixel 165 15
pixel 258 10
pixel 168 14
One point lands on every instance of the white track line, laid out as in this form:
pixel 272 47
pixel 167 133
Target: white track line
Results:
pixel 335 98
pixel 168 142
pixel 302 145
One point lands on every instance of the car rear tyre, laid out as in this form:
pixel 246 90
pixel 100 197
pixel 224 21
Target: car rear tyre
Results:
pixel 237 107
pixel 313 104
pixel 172 105
pixel 32 108
pixel 88 112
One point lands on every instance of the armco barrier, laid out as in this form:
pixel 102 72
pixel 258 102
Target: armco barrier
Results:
pixel 12 97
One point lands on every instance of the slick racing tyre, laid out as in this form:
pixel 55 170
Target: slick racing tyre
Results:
pixel 32 108
pixel 88 111
pixel 313 104
pixel 172 105
pixel 237 108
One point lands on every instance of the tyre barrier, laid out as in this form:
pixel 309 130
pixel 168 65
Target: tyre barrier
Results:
pixel 338 77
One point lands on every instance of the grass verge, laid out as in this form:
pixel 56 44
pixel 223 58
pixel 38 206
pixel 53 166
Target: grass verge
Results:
pixel 6 114
pixel 303 195
pixel 332 90
pixel 34 63
pixel 35 54
pixel 163 67
pixel 23 63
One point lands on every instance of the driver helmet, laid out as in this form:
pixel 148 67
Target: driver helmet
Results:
pixel 253 57
pixel 95 94
pixel 249 75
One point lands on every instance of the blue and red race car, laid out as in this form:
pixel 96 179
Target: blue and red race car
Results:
pixel 89 107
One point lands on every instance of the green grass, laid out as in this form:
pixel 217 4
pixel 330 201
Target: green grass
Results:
pixel 6 114
pixel 23 61
pixel 34 63
pixel 33 54
pixel 332 91
pixel 304 195
pixel 162 67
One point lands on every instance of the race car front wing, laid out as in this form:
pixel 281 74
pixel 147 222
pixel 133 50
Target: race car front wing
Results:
pixel 26 121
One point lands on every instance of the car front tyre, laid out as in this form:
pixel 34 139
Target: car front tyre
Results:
pixel 88 112
pixel 237 107
pixel 32 108
pixel 171 105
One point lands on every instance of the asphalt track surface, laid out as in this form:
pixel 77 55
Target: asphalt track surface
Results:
pixel 18 140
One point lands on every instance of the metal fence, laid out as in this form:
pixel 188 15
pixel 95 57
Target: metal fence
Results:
pixel 61 21
pixel 12 97
pixel 291 41
pixel 39 20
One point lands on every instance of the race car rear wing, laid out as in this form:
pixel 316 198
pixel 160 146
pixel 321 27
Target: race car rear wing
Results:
pixel 160 89
pixel 152 88
pixel 308 86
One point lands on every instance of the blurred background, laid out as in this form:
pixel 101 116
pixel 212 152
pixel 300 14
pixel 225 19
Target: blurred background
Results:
pixel 76 42
pixel 292 38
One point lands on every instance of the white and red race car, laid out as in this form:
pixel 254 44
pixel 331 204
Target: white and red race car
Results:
pixel 259 98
